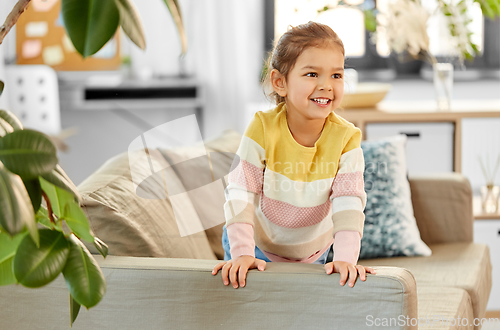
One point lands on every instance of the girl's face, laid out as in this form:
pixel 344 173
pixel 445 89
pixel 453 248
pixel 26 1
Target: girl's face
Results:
pixel 315 85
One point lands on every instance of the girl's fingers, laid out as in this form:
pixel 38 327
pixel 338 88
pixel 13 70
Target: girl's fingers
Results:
pixel 362 273
pixel 260 264
pixel 329 268
pixel 218 267
pixel 371 270
pixel 232 275
pixel 242 275
pixel 353 273
pixel 225 272
pixel 343 275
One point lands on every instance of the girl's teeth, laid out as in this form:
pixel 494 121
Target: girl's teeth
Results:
pixel 321 101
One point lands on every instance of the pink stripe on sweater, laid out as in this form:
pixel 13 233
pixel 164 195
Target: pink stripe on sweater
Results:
pixel 290 216
pixel 241 239
pixel 248 175
pixel 348 184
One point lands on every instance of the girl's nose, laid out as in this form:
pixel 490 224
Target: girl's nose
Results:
pixel 327 87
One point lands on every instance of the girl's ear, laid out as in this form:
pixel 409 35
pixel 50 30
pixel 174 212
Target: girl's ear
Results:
pixel 278 82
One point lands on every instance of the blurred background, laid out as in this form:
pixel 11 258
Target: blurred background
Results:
pixel 98 106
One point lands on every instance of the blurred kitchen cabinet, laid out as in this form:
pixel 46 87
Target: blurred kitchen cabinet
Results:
pixel 429 147
pixel 480 138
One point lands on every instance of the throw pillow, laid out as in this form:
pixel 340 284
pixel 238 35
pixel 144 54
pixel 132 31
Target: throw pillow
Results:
pixel 390 227
pixel 138 222
pixel 196 172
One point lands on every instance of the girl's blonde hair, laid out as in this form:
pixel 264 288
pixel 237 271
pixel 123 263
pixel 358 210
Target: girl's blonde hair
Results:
pixel 289 47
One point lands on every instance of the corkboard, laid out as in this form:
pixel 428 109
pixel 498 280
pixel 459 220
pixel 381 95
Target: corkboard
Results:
pixel 42 39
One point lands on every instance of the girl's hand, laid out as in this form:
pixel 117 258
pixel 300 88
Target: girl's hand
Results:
pixel 237 269
pixel 345 269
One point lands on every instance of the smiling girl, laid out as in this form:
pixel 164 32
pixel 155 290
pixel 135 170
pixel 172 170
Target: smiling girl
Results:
pixel 298 185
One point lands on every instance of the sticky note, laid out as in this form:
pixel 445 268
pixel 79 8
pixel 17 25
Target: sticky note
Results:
pixel 43 5
pixel 67 44
pixel 31 48
pixel 36 29
pixel 53 55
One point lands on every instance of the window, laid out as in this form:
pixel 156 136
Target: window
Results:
pixel 361 53
pixel 348 23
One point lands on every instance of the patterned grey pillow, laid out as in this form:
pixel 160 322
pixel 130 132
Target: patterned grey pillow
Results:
pixel 390 226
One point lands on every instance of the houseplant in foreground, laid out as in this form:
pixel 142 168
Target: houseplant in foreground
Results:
pixel 41 223
pixel 38 242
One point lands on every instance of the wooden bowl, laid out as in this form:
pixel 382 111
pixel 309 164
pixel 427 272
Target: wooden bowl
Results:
pixel 367 95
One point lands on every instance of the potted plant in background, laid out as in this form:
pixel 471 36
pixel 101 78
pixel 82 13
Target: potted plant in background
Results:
pixel 404 28
pixel 41 223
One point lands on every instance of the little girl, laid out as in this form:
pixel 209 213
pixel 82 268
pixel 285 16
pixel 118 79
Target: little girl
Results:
pixel 298 186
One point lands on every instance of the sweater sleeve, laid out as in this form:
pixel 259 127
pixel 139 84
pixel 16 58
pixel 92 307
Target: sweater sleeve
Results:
pixel 244 186
pixel 346 246
pixel 348 194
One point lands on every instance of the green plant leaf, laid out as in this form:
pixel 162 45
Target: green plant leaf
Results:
pixel 35 267
pixel 74 309
pixel 35 193
pixel 101 247
pixel 11 119
pixel 8 247
pixel 175 12
pixel 90 24
pixel 58 197
pixel 84 278
pixel 42 217
pixel 59 178
pixel 28 153
pixel 486 9
pixel 370 21
pixel 77 222
pixel 16 210
pixel 130 21
pixel 5 128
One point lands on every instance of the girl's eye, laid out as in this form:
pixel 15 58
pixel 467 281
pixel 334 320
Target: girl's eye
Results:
pixel 311 74
pixel 337 75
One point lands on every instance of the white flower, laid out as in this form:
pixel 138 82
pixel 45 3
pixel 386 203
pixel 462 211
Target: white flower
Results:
pixel 406 27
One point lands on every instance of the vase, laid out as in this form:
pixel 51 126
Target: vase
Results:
pixel 405 64
pixel 490 195
pixel 443 84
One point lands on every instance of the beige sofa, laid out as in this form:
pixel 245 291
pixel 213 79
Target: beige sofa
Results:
pixel 157 279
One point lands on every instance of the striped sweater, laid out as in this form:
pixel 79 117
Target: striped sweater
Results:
pixel 292 201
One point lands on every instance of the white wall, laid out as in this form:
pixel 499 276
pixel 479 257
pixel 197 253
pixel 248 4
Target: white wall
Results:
pixel 225 51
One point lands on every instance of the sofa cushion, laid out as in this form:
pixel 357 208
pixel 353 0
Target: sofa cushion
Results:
pixel 444 308
pixel 442 205
pixel 390 226
pixel 138 222
pixel 209 206
pixel 461 265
